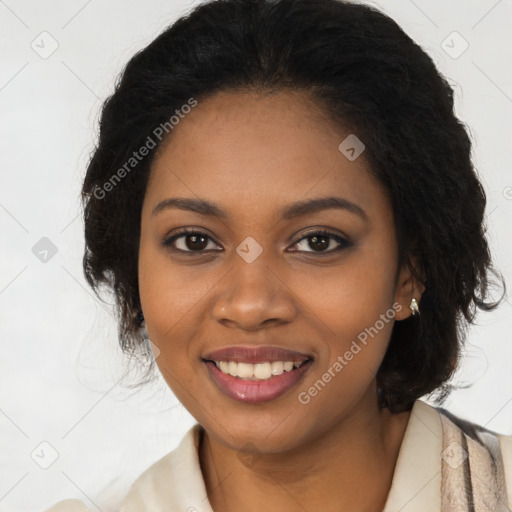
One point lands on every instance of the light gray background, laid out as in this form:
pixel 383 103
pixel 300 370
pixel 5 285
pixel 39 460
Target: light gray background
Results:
pixel 60 365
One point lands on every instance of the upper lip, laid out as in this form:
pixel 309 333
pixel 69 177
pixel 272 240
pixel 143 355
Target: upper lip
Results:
pixel 263 353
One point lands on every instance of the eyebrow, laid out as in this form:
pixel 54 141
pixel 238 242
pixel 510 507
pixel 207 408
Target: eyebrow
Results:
pixel 300 208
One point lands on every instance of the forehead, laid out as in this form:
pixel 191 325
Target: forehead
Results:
pixel 257 150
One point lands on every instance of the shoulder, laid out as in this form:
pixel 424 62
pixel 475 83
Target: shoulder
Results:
pixel 506 452
pixel 68 506
pixel 506 448
pixel 173 482
pixel 482 435
pixel 496 446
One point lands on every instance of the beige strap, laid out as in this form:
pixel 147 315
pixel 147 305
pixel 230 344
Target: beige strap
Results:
pixel 472 475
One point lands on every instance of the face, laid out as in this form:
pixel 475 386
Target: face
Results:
pixel 254 276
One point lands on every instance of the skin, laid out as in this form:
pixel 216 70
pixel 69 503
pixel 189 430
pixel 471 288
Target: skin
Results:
pixel 253 154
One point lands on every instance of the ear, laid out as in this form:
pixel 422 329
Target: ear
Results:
pixel 407 288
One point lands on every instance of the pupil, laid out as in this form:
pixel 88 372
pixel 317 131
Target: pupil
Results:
pixel 194 239
pixel 322 245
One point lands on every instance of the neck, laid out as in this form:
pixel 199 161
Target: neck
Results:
pixel 350 467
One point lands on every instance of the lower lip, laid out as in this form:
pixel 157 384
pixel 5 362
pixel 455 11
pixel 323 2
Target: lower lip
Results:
pixel 256 391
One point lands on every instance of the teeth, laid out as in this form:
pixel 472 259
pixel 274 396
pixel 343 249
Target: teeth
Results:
pixel 258 371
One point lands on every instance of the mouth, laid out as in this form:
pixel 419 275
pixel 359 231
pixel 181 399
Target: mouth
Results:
pixel 260 381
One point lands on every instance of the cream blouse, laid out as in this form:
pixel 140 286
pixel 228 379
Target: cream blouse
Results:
pixel 175 483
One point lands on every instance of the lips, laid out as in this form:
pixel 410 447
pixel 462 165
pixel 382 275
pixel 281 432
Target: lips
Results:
pixel 253 355
pixel 257 391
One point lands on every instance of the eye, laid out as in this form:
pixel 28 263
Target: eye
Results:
pixel 319 241
pixel 188 240
pixel 194 241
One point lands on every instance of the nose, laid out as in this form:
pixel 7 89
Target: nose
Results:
pixel 253 295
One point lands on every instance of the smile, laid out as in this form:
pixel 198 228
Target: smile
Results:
pixel 256 383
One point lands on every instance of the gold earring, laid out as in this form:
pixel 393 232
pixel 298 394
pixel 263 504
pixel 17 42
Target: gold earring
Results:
pixel 414 307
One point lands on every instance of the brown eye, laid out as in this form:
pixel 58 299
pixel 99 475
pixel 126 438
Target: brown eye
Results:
pixel 188 241
pixel 319 241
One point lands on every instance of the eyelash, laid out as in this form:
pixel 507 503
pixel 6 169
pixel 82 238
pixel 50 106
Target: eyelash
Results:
pixel 344 243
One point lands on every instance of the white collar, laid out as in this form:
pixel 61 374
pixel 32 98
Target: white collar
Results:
pixel 416 485
pixel 175 482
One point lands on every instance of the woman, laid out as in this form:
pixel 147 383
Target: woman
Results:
pixel 284 203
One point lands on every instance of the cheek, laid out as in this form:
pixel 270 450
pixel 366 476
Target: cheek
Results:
pixel 169 295
pixel 354 336
pixel 355 292
pixel 352 305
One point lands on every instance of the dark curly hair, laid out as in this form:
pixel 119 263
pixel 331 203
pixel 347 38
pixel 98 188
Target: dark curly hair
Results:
pixel 366 74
